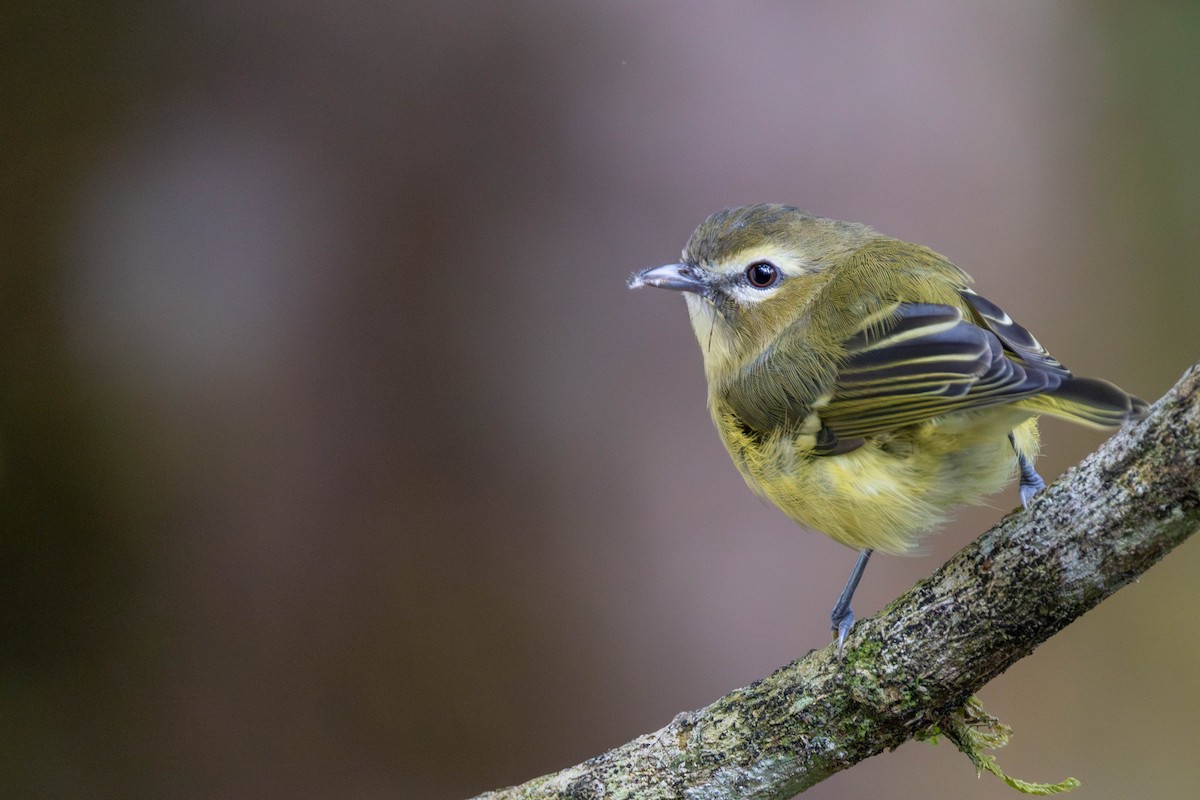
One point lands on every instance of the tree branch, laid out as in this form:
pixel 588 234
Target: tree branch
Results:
pixel 1094 530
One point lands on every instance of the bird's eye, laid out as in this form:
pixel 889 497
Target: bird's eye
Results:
pixel 762 274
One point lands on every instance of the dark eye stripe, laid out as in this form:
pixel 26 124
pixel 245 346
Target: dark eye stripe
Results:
pixel 762 274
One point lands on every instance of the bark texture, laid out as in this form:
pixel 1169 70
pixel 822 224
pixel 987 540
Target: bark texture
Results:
pixel 1097 528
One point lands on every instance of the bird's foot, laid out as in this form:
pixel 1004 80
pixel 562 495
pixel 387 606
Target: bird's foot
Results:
pixel 842 616
pixel 1028 490
pixel 843 620
pixel 1031 482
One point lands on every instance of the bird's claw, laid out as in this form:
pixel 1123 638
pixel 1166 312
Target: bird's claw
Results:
pixel 842 622
pixel 1029 488
pixel 1030 483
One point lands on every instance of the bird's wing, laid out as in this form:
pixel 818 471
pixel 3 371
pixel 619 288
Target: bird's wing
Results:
pixel 1089 401
pixel 921 361
pixel 1020 343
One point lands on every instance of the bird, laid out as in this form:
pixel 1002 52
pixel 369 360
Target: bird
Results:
pixel 860 384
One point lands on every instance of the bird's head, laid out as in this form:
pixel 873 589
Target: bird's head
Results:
pixel 747 273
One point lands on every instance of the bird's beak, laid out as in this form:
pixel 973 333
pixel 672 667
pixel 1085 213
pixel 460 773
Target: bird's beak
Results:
pixel 679 277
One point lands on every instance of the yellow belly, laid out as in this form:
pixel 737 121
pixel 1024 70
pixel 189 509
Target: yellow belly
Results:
pixel 894 489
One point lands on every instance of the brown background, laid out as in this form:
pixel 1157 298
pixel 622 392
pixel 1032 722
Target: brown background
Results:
pixel 338 461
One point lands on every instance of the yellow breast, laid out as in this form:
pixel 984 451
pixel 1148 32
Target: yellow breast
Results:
pixel 894 489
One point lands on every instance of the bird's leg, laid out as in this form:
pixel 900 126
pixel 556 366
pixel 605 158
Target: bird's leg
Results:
pixel 843 616
pixel 1031 483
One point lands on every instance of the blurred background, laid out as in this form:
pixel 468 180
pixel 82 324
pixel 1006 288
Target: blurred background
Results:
pixel 337 460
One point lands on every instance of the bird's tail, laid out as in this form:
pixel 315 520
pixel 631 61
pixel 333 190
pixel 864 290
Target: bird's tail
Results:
pixel 1090 401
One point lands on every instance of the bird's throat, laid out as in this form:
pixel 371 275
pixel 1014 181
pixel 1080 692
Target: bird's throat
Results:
pixel 717 338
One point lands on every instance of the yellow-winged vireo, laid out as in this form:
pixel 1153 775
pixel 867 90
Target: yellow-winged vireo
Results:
pixel 859 383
